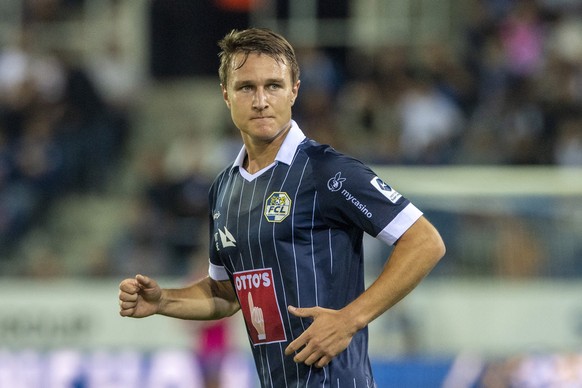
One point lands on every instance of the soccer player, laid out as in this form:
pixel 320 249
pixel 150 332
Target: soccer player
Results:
pixel 286 225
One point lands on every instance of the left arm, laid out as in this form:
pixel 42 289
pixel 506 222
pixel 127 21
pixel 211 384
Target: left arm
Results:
pixel 415 254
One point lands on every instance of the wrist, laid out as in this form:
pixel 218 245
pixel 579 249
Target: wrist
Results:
pixel 355 317
pixel 162 302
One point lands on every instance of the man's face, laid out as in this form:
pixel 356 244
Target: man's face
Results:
pixel 260 95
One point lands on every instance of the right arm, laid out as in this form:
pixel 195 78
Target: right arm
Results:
pixel 205 299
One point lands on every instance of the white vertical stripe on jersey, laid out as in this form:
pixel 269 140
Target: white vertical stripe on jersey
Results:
pixel 330 251
pixel 293 238
pixel 262 212
pixel 242 189
pixel 229 183
pixel 313 250
pixel 282 353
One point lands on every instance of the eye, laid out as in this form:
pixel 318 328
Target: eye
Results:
pixel 274 86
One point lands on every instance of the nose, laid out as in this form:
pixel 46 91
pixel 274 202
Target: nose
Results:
pixel 260 99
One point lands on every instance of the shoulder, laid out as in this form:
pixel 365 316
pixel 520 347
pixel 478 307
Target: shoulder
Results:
pixel 222 175
pixel 220 179
pixel 326 157
pixel 332 169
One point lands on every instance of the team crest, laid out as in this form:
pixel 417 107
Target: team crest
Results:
pixel 277 207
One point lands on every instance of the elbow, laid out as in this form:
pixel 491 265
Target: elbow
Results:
pixel 424 240
pixel 439 248
pixel 434 242
pixel 233 309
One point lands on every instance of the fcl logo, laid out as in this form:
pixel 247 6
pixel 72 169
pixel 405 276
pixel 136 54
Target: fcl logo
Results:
pixel 277 207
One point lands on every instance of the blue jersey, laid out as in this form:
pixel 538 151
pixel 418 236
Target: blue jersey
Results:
pixel 291 234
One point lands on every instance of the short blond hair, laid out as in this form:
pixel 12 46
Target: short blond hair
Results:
pixel 255 40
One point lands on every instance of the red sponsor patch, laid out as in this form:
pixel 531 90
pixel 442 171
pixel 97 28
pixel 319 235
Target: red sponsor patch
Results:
pixel 258 302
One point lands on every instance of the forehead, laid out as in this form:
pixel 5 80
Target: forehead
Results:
pixel 258 66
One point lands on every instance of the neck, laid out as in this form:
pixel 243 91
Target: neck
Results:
pixel 261 154
pixel 256 160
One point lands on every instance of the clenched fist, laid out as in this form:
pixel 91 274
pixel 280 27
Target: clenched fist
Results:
pixel 139 297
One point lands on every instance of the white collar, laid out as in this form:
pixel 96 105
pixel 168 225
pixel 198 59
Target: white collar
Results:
pixel 286 152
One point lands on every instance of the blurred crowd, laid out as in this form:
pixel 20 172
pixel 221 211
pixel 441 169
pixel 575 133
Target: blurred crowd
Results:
pixel 506 90
pixel 60 132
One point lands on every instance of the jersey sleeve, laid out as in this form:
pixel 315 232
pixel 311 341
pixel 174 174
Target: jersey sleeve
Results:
pixel 350 193
pixel 216 269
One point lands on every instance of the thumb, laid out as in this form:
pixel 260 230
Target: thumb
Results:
pixel 144 281
pixel 302 312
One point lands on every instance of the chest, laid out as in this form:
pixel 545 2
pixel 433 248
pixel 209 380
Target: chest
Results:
pixel 279 201
pixel 276 214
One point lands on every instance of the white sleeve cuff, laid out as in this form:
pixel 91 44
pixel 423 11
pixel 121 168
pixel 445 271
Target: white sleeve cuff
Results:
pixel 400 224
pixel 217 272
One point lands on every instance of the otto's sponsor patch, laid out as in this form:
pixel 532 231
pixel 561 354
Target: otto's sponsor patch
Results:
pixel 258 302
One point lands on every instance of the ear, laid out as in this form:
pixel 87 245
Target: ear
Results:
pixel 225 95
pixel 295 91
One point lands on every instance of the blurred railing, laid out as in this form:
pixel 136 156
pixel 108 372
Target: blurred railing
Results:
pixel 502 222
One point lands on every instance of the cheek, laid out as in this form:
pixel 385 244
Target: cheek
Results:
pixel 236 106
pixel 233 104
pixel 236 112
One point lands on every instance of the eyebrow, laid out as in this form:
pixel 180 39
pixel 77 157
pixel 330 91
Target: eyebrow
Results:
pixel 267 81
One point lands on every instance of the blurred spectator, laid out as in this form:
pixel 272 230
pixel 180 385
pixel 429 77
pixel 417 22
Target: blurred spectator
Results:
pixel 449 74
pixel 38 159
pixel 168 224
pixel 521 126
pixel 481 137
pixel 535 370
pixel 118 82
pixel 491 70
pixel 86 133
pixel 213 349
pixel 49 10
pixel 41 10
pixel 18 202
pixel 568 146
pixel 430 123
pixel 212 341
pixel 320 81
pixel 29 81
pixel 367 122
pixel 399 111
pixel 522 36
pixel 142 245
pixel 367 105
pixel 525 57
pixel 56 134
